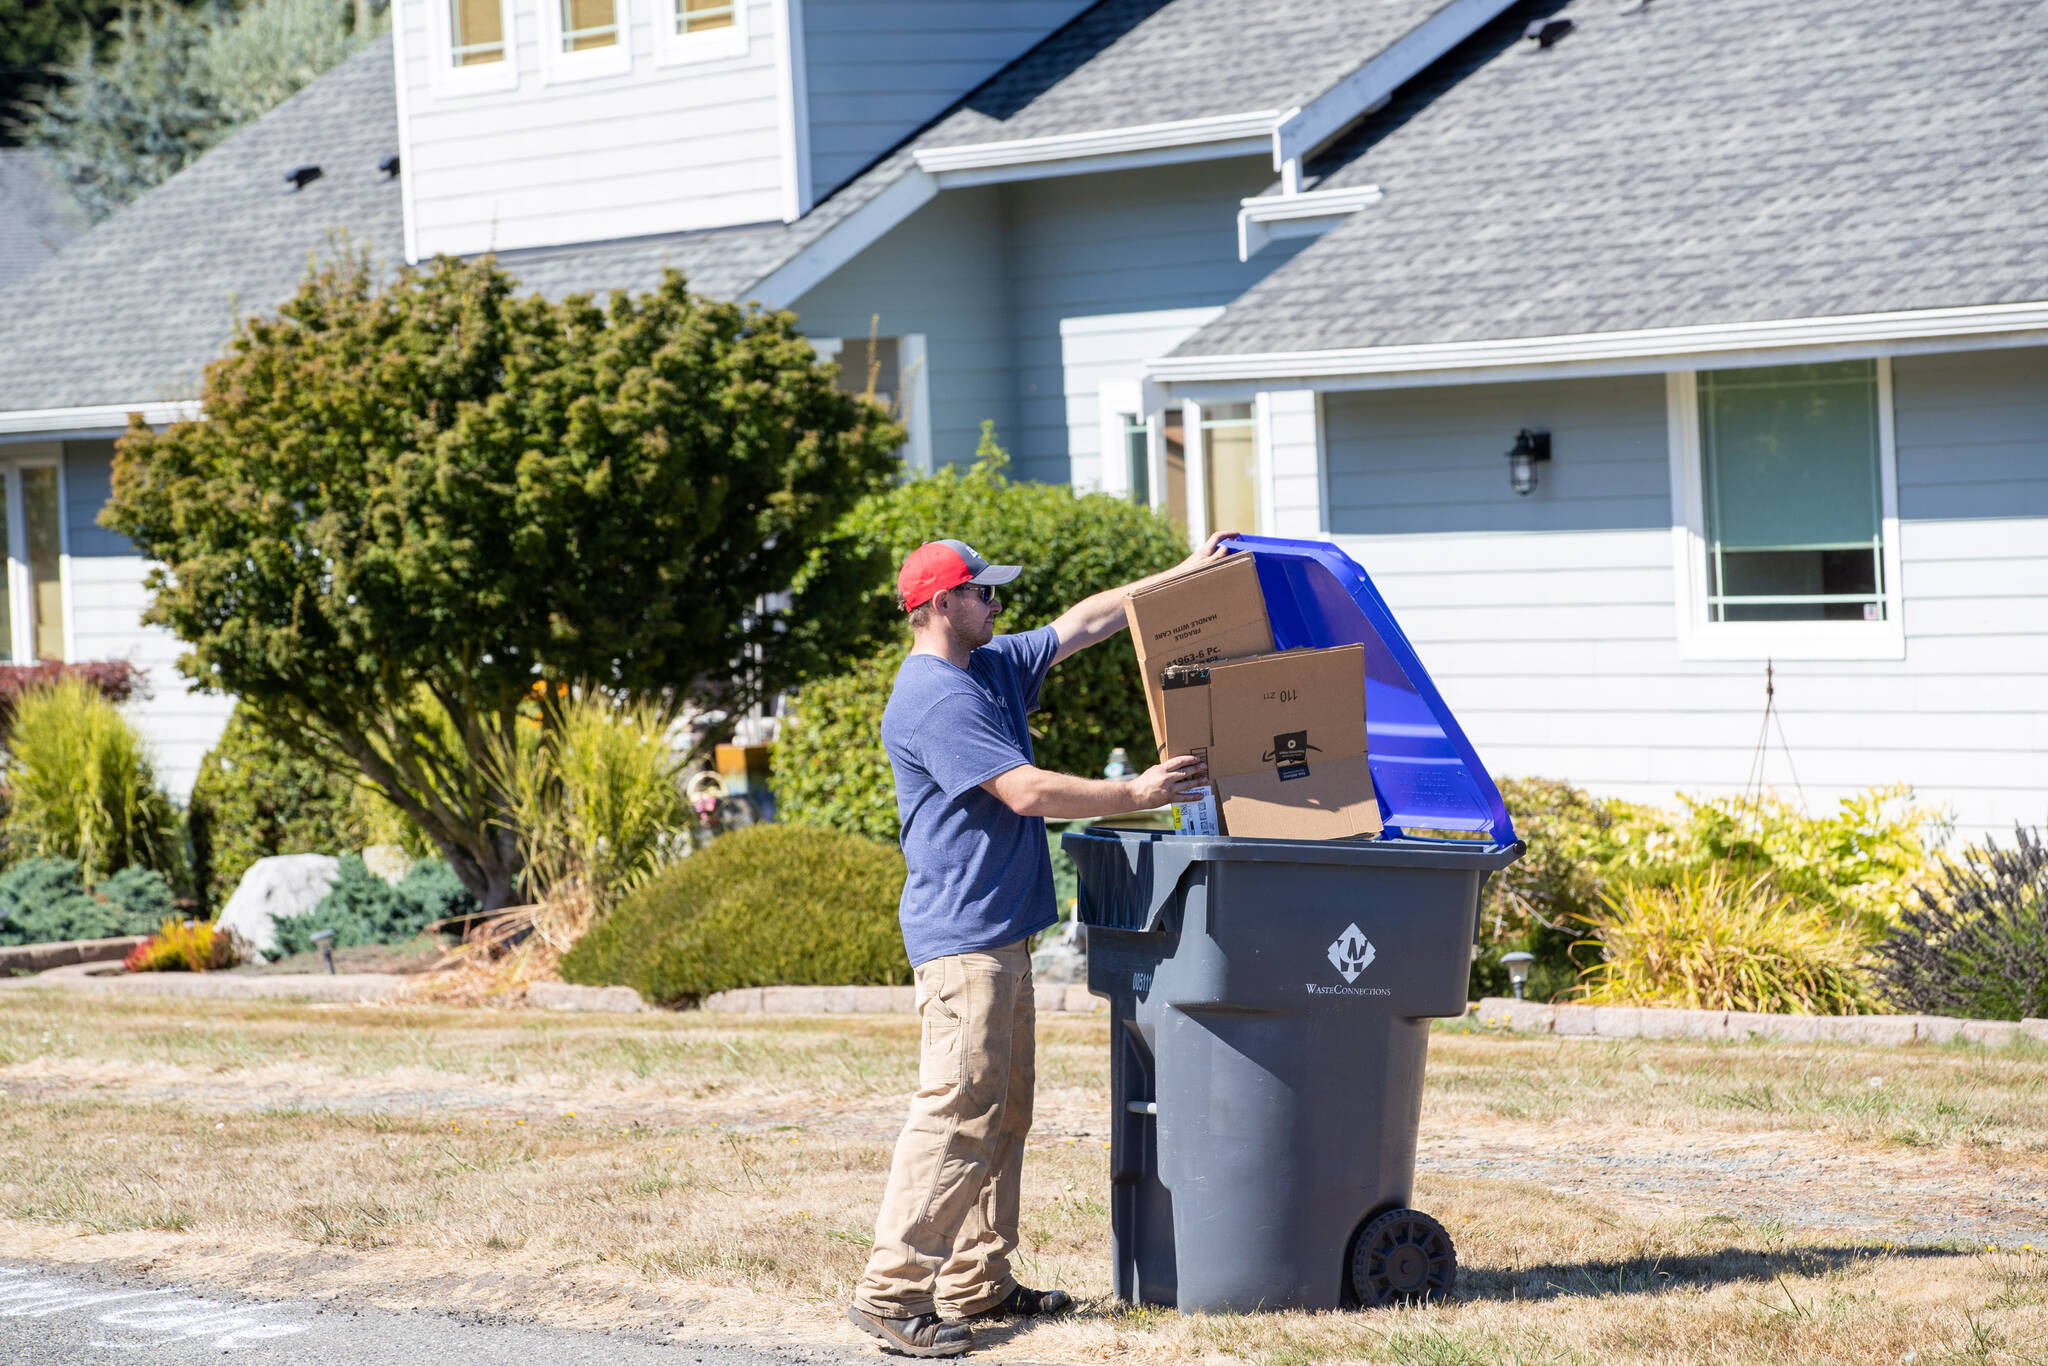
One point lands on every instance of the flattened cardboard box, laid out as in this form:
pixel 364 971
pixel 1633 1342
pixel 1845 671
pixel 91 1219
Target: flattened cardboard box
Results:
pixel 1213 614
pixel 1284 736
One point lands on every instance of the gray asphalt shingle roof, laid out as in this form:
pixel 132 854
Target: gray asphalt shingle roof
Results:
pixel 1682 163
pixel 134 310
pixel 36 216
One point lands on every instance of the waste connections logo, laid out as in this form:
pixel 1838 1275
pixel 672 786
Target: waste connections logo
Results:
pixel 1352 954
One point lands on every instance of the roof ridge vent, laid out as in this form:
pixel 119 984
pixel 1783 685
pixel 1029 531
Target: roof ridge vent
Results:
pixel 1545 32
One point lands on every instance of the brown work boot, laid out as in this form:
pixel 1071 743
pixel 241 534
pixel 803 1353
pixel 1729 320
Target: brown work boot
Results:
pixel 1025 1303
pixel 920 1335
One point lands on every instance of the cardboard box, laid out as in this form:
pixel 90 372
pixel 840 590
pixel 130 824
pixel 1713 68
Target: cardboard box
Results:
pixel 1213 614
pixel 1284 737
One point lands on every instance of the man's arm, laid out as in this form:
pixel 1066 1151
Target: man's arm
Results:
pixel 1030 790
pixel 1101 616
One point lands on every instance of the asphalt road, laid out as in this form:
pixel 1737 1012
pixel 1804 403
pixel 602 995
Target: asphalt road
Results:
pixel 53 1316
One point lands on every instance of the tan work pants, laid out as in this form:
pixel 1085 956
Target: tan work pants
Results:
pixel 949 1216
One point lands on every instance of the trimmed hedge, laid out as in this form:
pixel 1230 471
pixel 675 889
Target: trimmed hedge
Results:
pixel 769 905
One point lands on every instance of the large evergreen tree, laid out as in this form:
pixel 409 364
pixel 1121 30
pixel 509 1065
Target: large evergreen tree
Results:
pixel 408 509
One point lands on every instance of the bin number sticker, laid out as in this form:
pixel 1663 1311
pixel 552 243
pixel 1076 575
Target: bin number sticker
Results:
pixel 1141 981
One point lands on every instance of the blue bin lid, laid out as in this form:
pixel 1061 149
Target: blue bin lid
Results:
pixel 1423 768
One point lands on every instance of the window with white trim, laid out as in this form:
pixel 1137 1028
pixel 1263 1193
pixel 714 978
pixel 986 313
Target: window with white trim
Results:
pixel 1789 482
pixel 589 24
pixel 1137 457
pixel 1794 518
pixel 892 371
pixel 477 28
pixel 473 49
pixel 705 16
pixel 32 544
pixel 697 30
pixel 1230 468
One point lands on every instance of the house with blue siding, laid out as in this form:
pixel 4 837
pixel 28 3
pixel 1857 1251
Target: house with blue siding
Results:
pixel 1756 295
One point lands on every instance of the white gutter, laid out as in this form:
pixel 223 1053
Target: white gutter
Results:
pixel 100 417
pixel 845 240
pixel 1252 129
pixel 1276 217
pixel 1868 333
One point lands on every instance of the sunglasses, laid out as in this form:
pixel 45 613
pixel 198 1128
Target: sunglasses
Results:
pixel 980 590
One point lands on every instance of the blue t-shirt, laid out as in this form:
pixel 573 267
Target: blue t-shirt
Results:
pixel 980 874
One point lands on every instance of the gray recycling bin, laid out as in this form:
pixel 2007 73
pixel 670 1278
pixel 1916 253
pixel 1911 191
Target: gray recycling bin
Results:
pixel 1270 1004
pixel 1270 1000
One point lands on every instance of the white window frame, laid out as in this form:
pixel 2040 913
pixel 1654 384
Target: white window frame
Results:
pixel 672 48
pixel 1705 639
pixel 1199 527
pixel 449 81
pixel 914 403
pixel 558 66
pixel 1116 399
pixel 20 589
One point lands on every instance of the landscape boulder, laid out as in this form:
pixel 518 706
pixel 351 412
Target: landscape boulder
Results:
pixel 274 889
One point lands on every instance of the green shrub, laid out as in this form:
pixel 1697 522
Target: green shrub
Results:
pixel 829 763
pixel 1540 905
pixel 1861 862
pixel 84 788
pixel 1977 945
pixel 1856 867
pixel 362 908
pixel 255 797
pixel 763 906
pixel 1716 942
pixel 45 900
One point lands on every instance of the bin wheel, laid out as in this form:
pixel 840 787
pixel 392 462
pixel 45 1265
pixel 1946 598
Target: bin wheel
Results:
pixel 1401 1257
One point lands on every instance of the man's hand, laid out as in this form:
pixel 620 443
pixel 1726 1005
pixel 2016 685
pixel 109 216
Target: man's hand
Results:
pixel 1170 781
pixel 1030 790
pixel 1102 616
pixel 1212 550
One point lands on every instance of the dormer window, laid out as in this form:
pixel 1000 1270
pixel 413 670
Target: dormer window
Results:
pixel 588 24
pixel 479 32
pixel 697 30
pixel 583 38
pixel 704 16
pixel 473 47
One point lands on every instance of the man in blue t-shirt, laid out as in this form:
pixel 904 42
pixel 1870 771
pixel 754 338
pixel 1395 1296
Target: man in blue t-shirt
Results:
pixel 973 808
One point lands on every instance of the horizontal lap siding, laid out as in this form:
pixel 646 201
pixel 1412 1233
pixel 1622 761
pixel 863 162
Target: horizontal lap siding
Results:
pixel 658 149
pixel 107 601
pixel 1549 622
pixel 939 274
pixel 880 69
pixel 1090 246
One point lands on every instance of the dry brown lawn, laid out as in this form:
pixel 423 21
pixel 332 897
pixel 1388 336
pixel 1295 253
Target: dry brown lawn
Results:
pixel 691 1175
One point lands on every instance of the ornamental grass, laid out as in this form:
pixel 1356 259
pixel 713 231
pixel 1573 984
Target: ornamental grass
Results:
pixel 1710 941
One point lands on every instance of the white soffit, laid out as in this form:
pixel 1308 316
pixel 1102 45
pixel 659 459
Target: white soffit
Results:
pixel 100 417
pixel 1276 217
pixel 1864 334
pixel 980 163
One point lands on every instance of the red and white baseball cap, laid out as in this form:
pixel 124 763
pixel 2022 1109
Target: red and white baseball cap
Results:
pixel 936 566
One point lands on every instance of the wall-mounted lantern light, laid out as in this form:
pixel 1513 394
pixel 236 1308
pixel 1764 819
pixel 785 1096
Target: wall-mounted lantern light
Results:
pixel 1530 449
